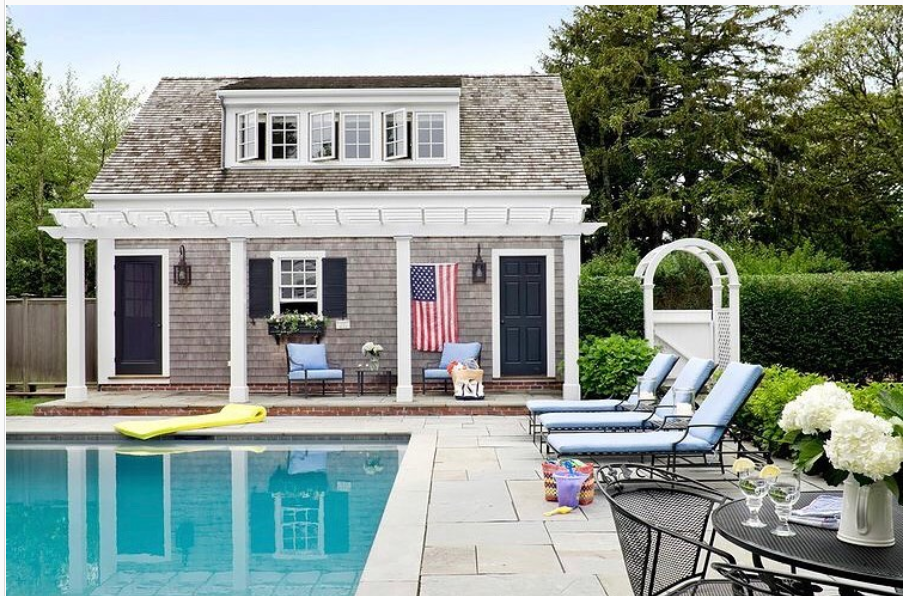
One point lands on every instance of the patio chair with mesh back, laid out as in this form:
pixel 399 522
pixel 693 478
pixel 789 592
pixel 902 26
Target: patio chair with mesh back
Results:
pixel 752 581
pixel 662 521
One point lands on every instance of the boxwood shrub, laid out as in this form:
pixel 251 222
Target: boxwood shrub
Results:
pixel 610 306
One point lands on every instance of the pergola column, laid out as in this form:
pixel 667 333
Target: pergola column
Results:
pixel 404 392
pixel 238 313
pixel 76 389
pixel 571 282
pixel 76 493
pixel 240 540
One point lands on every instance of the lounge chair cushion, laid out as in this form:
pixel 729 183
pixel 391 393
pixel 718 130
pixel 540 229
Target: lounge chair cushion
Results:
pixel 630 442
pixel 435 373
pixel 307 356
pixel 542 406
pixel 559 421
pixel 692 376
pixel 726 397
pixel 459 352
pixel 316 374
pixel 658 370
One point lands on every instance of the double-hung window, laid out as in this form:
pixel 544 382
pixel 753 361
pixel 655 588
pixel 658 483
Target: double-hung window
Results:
pixel 247 135
pixel 395 134
pixel 356 136
pixel 299 281
pixel 283 137
pixel 322 136
pixel 430 135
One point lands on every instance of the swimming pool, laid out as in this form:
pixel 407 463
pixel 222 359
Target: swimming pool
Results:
pixel 194 517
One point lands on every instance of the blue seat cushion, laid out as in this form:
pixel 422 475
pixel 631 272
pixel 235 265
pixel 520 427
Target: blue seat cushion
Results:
pixel 543 406
pixel 306 356
pixel 725 399
pixel 560 421
pixel 630 442
pixel 459 352
pixel 316 374
pixel 435 373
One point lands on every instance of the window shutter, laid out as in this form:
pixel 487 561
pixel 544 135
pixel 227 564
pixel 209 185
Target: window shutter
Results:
pixel 260 288
pixel 246 135
pixel 261 140
pixel 335 288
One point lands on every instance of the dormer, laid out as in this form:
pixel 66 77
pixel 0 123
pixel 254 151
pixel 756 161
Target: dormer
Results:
pixel 330 122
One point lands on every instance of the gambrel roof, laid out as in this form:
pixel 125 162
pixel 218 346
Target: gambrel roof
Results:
pixel 516 134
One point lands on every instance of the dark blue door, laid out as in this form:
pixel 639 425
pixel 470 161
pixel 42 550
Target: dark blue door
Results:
pixel 139 320
pixel 523 315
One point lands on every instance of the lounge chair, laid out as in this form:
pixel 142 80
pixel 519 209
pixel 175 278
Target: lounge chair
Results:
pixel 693 376
pixel 450 352
pixel 701 437
pixel 658 370
pixel 307 362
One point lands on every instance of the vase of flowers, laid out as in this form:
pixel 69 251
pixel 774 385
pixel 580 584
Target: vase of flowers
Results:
pixel 862 450
pixel 372 351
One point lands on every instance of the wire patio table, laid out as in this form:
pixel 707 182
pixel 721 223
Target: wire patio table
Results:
pixel 815 549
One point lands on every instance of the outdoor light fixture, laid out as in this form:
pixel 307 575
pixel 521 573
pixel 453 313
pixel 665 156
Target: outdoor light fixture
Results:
pixel 181 272
pixel 479 269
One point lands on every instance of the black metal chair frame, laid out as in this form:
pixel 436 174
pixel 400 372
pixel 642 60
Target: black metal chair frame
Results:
pixel 754 580
pixel 445 382
pixel 305 381
pixel 617 479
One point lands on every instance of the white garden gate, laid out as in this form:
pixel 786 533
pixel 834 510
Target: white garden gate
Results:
pixel 711 333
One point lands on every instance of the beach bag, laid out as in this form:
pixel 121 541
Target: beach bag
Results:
pixel 587 492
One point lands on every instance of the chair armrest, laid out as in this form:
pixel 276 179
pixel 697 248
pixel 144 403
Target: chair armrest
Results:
pixel 675 422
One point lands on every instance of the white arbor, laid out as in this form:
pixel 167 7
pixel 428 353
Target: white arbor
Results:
pixel 713 333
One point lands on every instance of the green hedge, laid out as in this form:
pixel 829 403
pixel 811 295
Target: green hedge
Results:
pixel 846 326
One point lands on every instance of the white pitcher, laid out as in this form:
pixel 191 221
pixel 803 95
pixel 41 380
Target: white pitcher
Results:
pixel 867 518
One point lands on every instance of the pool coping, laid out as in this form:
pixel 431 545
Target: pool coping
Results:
pixel 396 554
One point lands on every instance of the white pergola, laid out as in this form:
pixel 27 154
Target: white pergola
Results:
pixel 238 225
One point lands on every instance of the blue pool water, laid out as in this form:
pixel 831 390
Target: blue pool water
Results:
pixel 193 518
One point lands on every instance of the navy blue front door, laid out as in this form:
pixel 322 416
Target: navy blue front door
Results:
pixel 139 320
pixel 522 284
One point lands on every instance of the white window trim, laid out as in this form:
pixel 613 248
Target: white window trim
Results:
pixel 278 256
pixel 252 117
pixel 415 130
pixel 404 131
pixel 549 254
pixel 269 139
pixel 330 114
pixel 343 156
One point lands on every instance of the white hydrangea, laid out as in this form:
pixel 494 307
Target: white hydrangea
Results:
pixel 862 443
pixel 814 409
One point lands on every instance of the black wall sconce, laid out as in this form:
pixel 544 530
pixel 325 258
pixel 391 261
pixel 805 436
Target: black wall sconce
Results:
pixel 181 272
pixel 479 269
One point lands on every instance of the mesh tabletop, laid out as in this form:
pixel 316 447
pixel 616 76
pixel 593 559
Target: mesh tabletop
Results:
pixel 812 548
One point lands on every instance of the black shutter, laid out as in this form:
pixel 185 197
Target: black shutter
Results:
pixel 261 140
pixel 335 288
pixel 260 288
pixel 337 537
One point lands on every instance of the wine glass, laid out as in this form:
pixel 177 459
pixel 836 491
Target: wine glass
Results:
pixel 753 488
pixel 784 493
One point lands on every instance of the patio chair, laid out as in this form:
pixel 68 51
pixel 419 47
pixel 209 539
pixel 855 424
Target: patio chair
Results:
pixel 658 370
pixel 694 375
pixel 450 352
pixel 750 581
pixel 663 527
pixel 701 436
pixel 307 362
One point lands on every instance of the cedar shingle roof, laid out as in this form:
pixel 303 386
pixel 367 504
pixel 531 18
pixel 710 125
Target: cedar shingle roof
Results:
pixel 516 134
pixel 370 82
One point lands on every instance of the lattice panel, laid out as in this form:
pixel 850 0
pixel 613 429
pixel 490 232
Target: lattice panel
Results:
pixel 722 337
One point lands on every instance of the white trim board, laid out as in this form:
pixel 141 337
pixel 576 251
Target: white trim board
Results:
pixel 549 254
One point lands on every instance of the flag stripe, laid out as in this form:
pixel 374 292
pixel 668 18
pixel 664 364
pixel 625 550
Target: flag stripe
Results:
pixel 434 309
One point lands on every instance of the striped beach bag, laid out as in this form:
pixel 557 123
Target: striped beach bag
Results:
pixel 587 491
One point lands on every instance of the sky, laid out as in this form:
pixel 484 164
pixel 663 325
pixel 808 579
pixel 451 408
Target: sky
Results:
pixel 148 42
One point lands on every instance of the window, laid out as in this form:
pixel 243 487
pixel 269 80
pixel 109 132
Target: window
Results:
pixel 395 127
pixel 356 136
pixel 299 281
pixel 283 136
pixel 247 135
pixel 322 136
pixel 430 136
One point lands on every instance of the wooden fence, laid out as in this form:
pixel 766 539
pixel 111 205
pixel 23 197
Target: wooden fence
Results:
pixel 36 341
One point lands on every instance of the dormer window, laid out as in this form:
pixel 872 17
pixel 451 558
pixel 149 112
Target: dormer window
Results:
pixel 395 134
pixel 247 135
pixel 430 135
pixel 284 137
pixel 356 136
pixel 322 136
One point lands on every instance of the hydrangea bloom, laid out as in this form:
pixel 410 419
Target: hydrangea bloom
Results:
pixel 862 443
pixel 814 409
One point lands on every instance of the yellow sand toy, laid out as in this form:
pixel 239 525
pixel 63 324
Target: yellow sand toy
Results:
pixel 228 416
pixel 558 511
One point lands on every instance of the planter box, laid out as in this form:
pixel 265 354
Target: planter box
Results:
pixel 296 336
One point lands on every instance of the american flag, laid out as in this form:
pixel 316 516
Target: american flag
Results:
pixel 434 305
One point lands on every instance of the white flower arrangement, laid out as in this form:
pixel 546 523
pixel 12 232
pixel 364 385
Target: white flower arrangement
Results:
pixel 291 322
pixel 862 443
pixel 371 349
pixel 815 409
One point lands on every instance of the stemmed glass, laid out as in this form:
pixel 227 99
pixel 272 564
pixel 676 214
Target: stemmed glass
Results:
pixel 753 488
pixel 784 493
